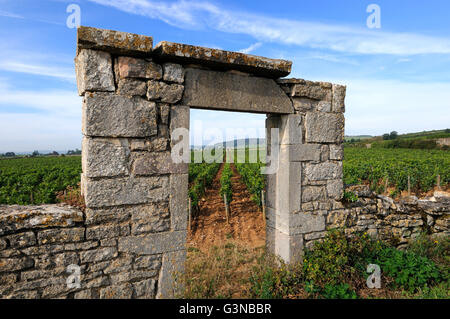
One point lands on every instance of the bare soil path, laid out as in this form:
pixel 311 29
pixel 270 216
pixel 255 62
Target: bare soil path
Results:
pixel 210 227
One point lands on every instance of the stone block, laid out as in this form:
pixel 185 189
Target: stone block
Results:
pixel 102 231
pixel 152 262
pixel 113 41
pixel 94 71
pixel 290 129
pixel 335 189
pixel 173 73
pixel 105 157
pixel 150 244
pixel 323 171
pixel 21 240
pixel 313 193
pixel 109 115
pixel 233 92
pixel 179 201
pixel 97 255
pixel 303 104
pixel 301 152
pixel 324 127
pixel 160 91
pixel 124 291
pixel 126 191
pixel 288 187
pixel 150 219
pixel 170 282
pixel 14 264
pixel 336 152
pixel 156 144
pixel 338 98
pixel 138 68
pixel 307 222
pixel 66 235
pixel 164 112
pixel 132 87
pixel 312 90
pixel 288 248
pixel 145 164
pixel 145 288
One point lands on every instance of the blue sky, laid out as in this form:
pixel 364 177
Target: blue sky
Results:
pixel 397 76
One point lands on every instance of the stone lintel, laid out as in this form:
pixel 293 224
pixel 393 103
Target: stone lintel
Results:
pixel 221 59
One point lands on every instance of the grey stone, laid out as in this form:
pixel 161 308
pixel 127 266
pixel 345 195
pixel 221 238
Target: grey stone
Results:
pixel 313 193
pixel 152 262
pixel 94 71
pixel 302 104
pixel 336 152
pixel 113 41
pixel 132 87
pixel 14 264
pixel 324 127
pixel 102 231
pixel 301 152
pixel 124 291
pixel 170 282
pixel 164 112
pixel 324 106
pixel 105 157
pixel 66 235
pixel 150 219
pixel 170 93
pixel 125 191
pixel 151 244
pixel 335 189
pixel 338 98
pixel 290 129
pixel 145 164
pixel 288 248
pixel 156 144
pixel 228 91
pixel 138 68
pixel 312 90
pixel 99 254
pixel 323 171
pixel 83 294
pixel 21 239
pixel 110 214
pixel 215 58
pixel 145 288
pixel 173 73
pixel 104 116
pixel 178 201
pixel 306 222
pixel 289 187
pixel 3 244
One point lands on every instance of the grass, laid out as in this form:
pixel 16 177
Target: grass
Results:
pixel 334 269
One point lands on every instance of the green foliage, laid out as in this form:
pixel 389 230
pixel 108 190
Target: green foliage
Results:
pixel 201 176
pixel 37 180
pixel 251 176
pixel 375 164
pixel 225 183
pixel 340 291
pixel 350 197
pixel 409 270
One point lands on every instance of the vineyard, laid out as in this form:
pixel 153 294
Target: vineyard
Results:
pixel 37 180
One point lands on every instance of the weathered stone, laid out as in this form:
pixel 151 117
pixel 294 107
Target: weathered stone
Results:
pixel 227 91
pixel 289 187
pixel 302 104
pixel 324 127
pixel 105 157
pixel 220 59
pixel 113 41
pixel 102 231
pixel 99 254
pixel 301 152
pixel 66 235
pixel 145 288
pixel 178 201
pixel 312 90
pixel 151 244
pixel 170 93
pixel 323 171
pixel 336 152
pixel 94 71
pixel 173 72
pixel 145 164
pixel 14 264
pixel 125 191
pixel 157 144
pixel 3 244
pixel 124 291
pixel 335 189
pixel 152 262
pixel 290 129
pixel 164 112
pixel 179 117
pixel 83 294
pixel 338 98
pixel 21 239
pixel 324 106
pixel 138 68
pixel 305 222
pixel 313 193
pixel 150 219
pixel 107 215
pixel 170 281
pixel 289 248
pixel 132 87
pixel 111 115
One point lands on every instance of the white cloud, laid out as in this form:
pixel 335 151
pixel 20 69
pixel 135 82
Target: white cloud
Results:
pixel 64 73
pixel 10 15
pixel 341 38
pixel 251 48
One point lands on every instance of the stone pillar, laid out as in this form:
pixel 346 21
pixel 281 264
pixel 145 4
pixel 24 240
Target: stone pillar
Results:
pixel 308 183
pixel 136 196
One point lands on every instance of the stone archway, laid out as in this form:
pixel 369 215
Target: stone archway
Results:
pixel 135 96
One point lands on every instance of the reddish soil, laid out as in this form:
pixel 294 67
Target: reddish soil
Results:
pixel 210 227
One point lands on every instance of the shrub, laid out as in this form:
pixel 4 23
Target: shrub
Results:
pixel 341 291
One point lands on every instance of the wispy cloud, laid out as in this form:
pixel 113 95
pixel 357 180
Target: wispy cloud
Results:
pixel 64 73
pixel 341 38
pixel 251 48
pixel 10 15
